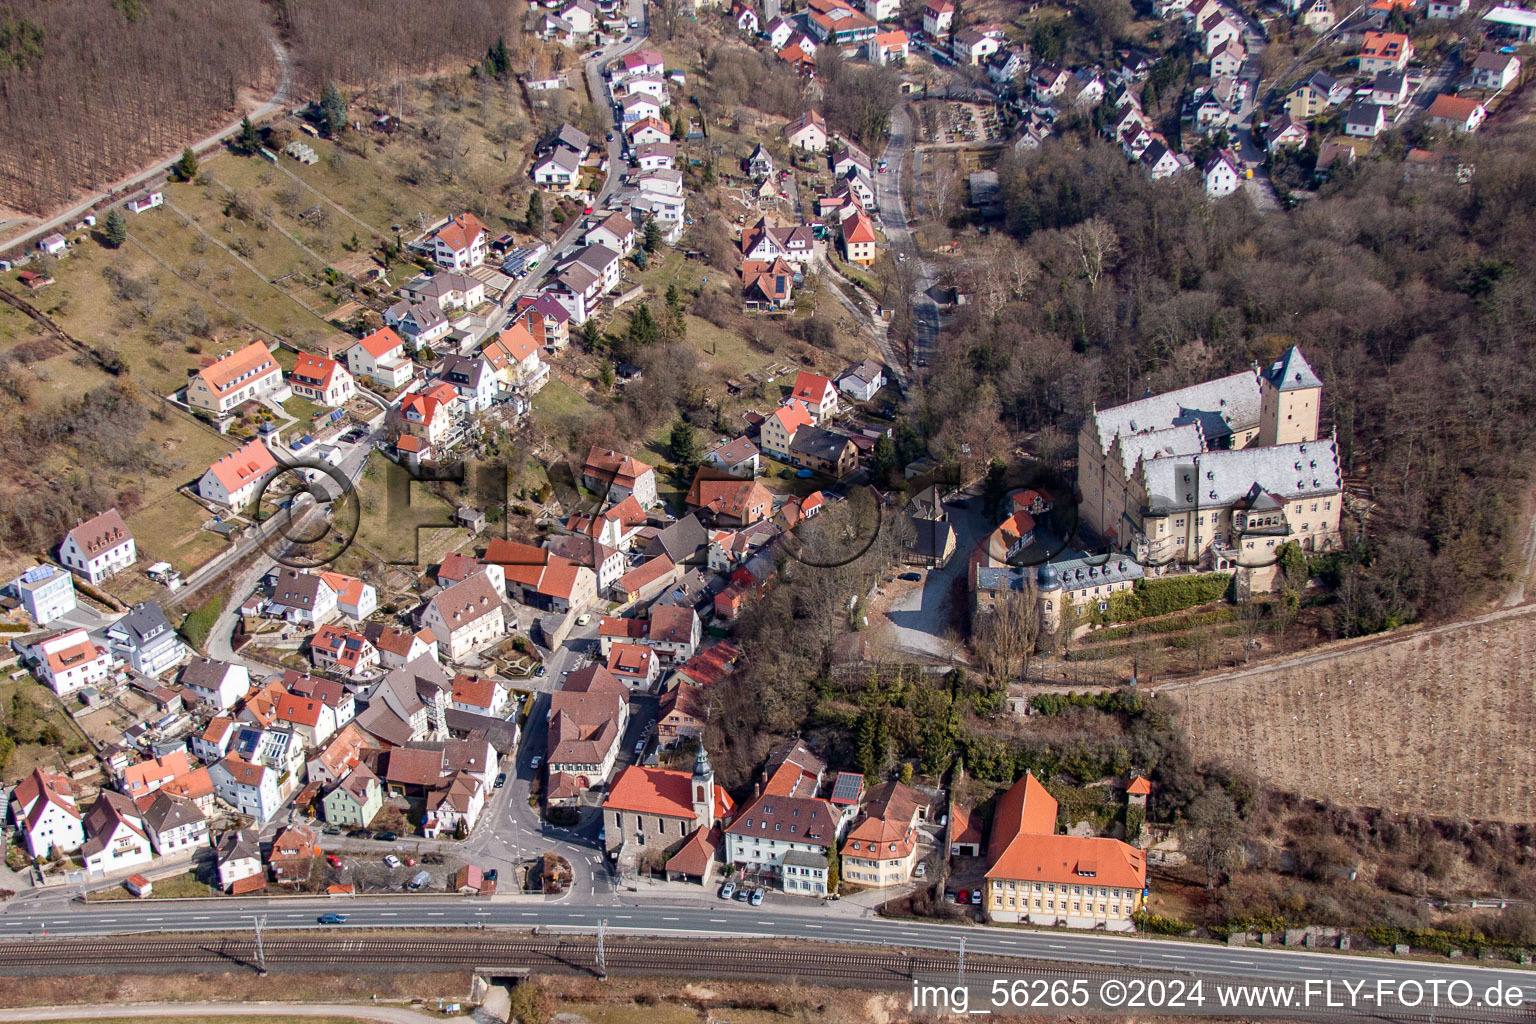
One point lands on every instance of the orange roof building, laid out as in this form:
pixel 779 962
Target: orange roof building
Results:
pixel 730 501
pixel 238 477
pixel 238 377
pixel 1035 876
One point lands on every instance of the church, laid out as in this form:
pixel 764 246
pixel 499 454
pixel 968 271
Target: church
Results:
pixel 656 816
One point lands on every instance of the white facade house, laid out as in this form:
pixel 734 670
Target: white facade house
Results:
pixel 45 593
pixel 321 379
pixel 144 639
pixel 237 478
pixel 238 377
pixel 248 789
pixel 68 661
pixel 174 824
pixel 381 358
pixel 862 382
pixel 1221 177
pixel 44 809
pixel 115 835
pixel 302 598
pixel 465 616
pixel 98 548
pixel 218 683
pixel 462 243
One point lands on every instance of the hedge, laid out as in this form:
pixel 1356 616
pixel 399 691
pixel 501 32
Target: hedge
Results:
pixel 1159 925
pixel 1190 621
pixel 199 623
pixel 1162 596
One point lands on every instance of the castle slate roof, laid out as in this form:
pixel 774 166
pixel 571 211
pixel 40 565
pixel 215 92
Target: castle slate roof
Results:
pixel 1222 478
pixel 1221 407
pixel 1291 372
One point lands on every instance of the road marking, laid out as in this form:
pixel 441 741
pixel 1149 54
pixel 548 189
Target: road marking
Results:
pixel 434 913
pixel 1051 946
pixel 717 920
pixel 389 913
pixel 1173 956
pixel 200 917
pixel 813 926
pixel 154 919
pixel 669 919
pixel 530 913
pixel 624 917
pixel 1245 963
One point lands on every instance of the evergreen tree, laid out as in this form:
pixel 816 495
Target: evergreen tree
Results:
pixel 906 773
pixel 677 316
pixel 115 228
pixel 709 172
pixel 684 445
pixel 185 169
pixel 652 238
pixel 498 62
pixel 995 487
pixel 605 376
pixel 536 212
pixel 883 460
pixel 333 110
pixel 834 869
pixel 642 326
pixel 248 141
pixel 590 335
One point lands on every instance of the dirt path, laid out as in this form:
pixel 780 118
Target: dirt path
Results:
pixel 1516 595
pixel 98 1011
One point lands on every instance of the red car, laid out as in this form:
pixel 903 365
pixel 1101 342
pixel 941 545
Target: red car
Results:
pixel 410 861
pixel 333 860
pixel 586 209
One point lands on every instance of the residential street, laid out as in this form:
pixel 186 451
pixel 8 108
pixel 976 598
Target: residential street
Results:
pixel 893 215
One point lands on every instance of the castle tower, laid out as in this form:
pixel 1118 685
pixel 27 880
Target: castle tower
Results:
pixel 1050 596
pixel 703 788
pixel 1290 401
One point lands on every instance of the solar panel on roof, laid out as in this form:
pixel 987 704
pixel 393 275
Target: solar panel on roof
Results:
pixel 847 786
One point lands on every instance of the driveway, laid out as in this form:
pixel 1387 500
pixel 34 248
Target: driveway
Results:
pixel 920 612
pixel 898 233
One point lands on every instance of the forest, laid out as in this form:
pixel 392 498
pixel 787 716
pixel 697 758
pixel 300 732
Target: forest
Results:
pixel 76 122
pixel 1411 299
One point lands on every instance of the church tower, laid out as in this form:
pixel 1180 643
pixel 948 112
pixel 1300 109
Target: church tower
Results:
pixel 703 789
pixel 1290 401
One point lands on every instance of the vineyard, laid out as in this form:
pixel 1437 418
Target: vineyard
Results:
pixel 1437 723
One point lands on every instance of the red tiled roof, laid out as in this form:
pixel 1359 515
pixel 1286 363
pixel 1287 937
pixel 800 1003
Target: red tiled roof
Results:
pixel 381 342
pixel 235 369
pixel 461 232
pixel 243 465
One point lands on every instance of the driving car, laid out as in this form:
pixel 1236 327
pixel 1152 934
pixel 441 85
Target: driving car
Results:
pixel 390 860
pixel 501 780
pixel 727 890
pixel 757 896
pixel 332 918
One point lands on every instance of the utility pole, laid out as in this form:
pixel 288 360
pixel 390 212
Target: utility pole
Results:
pixel 602 961
pixel 261 954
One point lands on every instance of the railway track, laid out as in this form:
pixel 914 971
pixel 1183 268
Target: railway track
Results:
pixel 622 956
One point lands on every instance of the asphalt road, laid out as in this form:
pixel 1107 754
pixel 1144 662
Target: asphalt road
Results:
pixel 899 235
pixel 726 920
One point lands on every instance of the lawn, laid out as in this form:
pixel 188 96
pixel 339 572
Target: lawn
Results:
pixel 176 887
pixel 303 410
pixel 45 736
pixel 396 510
pixel 558 398
pixel 170 530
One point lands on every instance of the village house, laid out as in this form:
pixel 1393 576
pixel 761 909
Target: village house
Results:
pixel 294 849
pixel 862 381
pixel 974 45
pixel 816 394
pixel 587 717
pixel 45 592
pixel 668 818
pixel 355 598
pixel 1447 9
pixel 421 323
pixel 301 597
pixel 938 16
pixel 888 47
pixel 807 132
pixel 655 156
pixel 116 839
pixel 445 291
pixel 823 451
pixel 143 638
pixel 245 375
pixel 634 665
pixel 1495 71
pixel 329 692
pixel 765 243
pixel 465 616
pixel 145 777
pixel 1221 174
pixel 1459 114
pixel 429 415
pixel 881 846
pixel 472 378
pixel 339 756
pixel 66 661
pixel 461 244
pixel 882 10
pixel 1364 120
pixel 858 240
pixel 479 696
pixel 646 581
pixel 354 800
pixel 381 357
pixel 1385 51
pixel 1285 133
pixel 1228 59
pixel 246 788
pixel 779 428
pixel 236 479
pixel 1035 876
pixel 44 810
pixel 738 457
pixel 647 130
pixel 213 742
pixel 397 647
pixel 786 830
pixel 1313 95
pixel 174 823
pixel 99 548
pixel 616 476
pixel 238 855
pixel 321 379
pixel 514 358
pixel 343 651
pixel 218 683
pixel 1389 89
pixel 681 715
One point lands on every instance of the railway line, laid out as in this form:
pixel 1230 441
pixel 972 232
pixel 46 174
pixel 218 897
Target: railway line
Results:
pixel 627 955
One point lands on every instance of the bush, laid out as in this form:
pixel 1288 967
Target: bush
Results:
pixel 1159 925
pixel 199 623
pixel 1162 596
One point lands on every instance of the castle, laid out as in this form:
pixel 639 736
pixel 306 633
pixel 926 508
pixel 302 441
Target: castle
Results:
pixel 1215 475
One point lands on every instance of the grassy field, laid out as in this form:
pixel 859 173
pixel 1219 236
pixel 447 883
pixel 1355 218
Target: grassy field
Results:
pixel 394 507
pixel 177 887
pixel 31 712
pixel 1417 724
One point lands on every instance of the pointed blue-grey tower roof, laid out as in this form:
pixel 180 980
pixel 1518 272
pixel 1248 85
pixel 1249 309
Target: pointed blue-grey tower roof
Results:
pixel 1292 372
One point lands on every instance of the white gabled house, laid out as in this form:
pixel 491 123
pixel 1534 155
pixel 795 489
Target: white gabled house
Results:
pixel 98 548
pixel 237 478
pixel 248 789
pixel 381 357
pixel 219 683
pixel 44 809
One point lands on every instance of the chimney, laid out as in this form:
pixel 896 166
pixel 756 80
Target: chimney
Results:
pixel 330 352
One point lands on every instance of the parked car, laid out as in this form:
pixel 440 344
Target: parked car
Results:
pixel 757 896
pixel 921 872
pixel 390 860
pixel 727 890
pixel 410 861
pixel 501 780
pixel 332 831
pixel 333 860
pixel 431 858
pixel 540 671
pixel 743 894
pixel 386 837
pixel 975 897
pixel 582 620
pixel 910 576
pixel 419 881
pixel 640 748
pixel 332 918
pixel 538 759
pixel 491 874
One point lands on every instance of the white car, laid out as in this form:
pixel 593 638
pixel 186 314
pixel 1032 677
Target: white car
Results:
pixel 582 620
pixel 391 860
